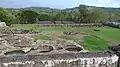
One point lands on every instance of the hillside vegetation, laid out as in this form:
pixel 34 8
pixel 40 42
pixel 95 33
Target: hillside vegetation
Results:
pixel 81 14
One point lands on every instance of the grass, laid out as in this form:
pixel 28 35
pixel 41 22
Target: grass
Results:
pixel 42 37
pixel 69 37
pixel 35 27
pixel 107 35
pixel 45 37
pixel 25 27
pixel 95 44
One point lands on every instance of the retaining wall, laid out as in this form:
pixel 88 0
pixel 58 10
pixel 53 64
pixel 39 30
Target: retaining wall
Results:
pixel 98 59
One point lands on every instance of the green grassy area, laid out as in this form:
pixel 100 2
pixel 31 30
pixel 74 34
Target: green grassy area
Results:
pixel 95 44
pixel 25 27
pixel 110 34
pixel 42 37
pixel 69 37
pixel 107 35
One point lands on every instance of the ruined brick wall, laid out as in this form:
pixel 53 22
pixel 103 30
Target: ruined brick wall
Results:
pixel 61 25
pixel 99 59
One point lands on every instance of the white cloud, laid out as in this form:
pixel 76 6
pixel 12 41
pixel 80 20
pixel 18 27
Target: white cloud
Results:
pixel 59 3
pixel 108 3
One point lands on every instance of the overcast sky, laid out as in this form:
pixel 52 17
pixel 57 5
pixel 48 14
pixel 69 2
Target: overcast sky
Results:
pixel 58 3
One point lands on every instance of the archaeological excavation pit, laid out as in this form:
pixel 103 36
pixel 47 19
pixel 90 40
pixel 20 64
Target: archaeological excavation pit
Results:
pixel 70 33
pixel 46 48
pixel 15 53
pixel 73 48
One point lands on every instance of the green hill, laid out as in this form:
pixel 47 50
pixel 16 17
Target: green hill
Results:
pixel 48 10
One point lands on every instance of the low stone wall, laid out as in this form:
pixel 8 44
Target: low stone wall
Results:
pixel 61 25
pixel 99 59
pixel 70 25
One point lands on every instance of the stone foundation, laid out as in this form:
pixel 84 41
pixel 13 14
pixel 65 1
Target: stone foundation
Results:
pixel 99 59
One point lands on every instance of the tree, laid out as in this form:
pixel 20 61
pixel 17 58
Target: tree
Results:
pixel 113 16
pixel 5 16
pixel 96 15
pixel 43 17
pixel 74 16
pixel 60 16
pixel 83 13
pixel 28 16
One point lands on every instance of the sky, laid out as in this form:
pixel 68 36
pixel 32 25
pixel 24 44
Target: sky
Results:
pixel 58 3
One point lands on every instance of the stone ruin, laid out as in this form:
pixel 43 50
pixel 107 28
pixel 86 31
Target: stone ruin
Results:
pixel 28 45
pixel 116 50
pixel 99 59
pixel 70 33
pixel 2 24
pixel 15 31
pixel 25 31
pixel 66 24
pixel 24 51
pixel 112 24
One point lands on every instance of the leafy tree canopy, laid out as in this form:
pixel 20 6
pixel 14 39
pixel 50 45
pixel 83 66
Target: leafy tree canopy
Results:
pixel 5 16
pixel 28 16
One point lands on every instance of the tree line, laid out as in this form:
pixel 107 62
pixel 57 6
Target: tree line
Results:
pixel 83 15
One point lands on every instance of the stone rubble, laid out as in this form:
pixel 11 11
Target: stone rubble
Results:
pixel 11 43
pixel 15 31
pixel 2 24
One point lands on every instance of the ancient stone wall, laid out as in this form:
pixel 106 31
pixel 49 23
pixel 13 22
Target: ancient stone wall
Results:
pixel 61 25
pixel 100 59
